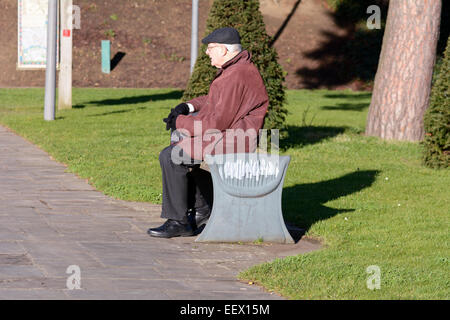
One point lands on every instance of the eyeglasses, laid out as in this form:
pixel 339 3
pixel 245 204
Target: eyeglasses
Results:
pixel 211 47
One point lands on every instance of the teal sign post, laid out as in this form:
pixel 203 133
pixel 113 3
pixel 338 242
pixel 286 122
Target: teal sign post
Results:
pixel 106 56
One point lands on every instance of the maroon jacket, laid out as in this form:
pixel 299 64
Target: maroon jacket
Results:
pixel 237 99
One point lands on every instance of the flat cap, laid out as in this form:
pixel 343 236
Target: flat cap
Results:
pixel 225 35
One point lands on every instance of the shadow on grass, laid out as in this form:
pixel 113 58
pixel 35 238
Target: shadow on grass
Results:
pixel 347 107
pixel 299 136
pixel 114 112
pixel 172 95
pixel 348 96
pixel 304 204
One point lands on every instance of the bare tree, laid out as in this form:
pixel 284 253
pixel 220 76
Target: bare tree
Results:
pixel 403 80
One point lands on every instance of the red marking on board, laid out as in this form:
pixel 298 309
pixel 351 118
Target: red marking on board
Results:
pixel 66 33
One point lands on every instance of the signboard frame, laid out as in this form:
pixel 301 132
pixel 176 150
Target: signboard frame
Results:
pixel 23 64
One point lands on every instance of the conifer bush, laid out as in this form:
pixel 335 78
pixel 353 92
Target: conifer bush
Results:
pixel 247 19
pixel 437 118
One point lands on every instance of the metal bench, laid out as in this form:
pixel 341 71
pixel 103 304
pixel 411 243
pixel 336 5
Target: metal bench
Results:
pixel 247 199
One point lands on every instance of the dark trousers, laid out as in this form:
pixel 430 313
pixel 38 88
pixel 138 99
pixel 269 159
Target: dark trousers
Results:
pixel 185 186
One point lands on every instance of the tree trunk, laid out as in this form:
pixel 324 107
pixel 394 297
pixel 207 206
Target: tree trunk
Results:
pixel 403 80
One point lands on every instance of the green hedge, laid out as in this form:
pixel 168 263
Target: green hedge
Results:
pixel 437 118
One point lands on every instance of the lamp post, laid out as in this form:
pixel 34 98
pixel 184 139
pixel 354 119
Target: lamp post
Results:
pixel 194 34
pixel 50 72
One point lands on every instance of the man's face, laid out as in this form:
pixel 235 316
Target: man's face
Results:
pixel 216 53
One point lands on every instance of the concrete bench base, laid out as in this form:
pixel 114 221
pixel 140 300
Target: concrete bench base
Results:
pixel 247 205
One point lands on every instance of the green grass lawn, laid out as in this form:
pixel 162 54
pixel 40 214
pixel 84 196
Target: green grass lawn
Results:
pixel 371 202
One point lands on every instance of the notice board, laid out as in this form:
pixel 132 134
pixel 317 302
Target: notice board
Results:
pixel 32 34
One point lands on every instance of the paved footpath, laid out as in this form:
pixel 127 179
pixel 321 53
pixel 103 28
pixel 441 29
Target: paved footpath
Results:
pixel 51 219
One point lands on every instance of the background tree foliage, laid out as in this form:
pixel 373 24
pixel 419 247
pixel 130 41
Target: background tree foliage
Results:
pixel 437 118
pixel 247 19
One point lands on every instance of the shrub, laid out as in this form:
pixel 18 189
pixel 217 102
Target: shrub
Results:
pixel 437 118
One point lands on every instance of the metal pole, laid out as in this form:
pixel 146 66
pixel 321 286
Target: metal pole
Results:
pixel 194 34
pixel 50 72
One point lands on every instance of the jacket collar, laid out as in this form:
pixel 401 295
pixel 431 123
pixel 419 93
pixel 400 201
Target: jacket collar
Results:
pixel 242 56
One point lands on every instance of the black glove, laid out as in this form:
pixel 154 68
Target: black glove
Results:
pixel 182 108
pixel 170 121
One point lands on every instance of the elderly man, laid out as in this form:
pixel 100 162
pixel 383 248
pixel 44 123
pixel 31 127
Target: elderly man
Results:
pixel 236 104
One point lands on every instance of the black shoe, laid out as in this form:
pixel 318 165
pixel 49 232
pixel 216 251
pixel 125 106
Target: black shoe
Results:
pixel 172 228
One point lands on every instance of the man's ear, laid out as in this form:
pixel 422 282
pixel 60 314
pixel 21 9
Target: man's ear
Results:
pixel 224 50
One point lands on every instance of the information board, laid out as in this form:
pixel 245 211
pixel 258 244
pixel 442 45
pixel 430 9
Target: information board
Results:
pixel 32 34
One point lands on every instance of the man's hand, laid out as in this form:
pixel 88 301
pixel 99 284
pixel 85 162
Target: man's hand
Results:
pixel 170 121
pixel 182 108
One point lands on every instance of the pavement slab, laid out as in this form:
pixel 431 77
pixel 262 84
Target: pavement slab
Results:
pixel 51 220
